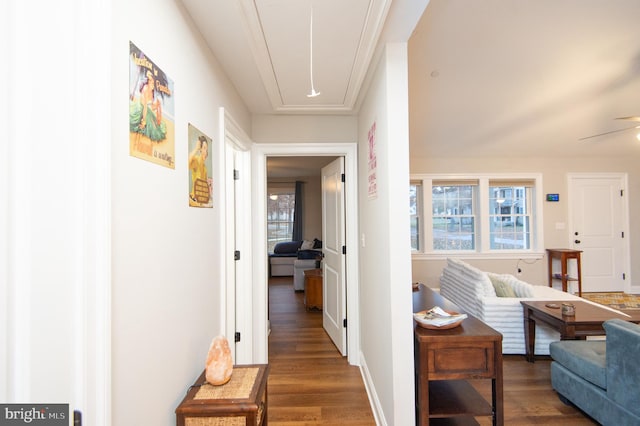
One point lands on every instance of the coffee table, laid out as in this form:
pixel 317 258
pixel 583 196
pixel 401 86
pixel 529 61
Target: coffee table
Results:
pixel 587 320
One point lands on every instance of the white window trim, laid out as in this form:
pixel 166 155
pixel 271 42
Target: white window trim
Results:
pixel 482 250
pixel 420 214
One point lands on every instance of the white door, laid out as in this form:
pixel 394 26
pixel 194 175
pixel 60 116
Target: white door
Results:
pixel 237 272
pixel 598 212
pixel 333 244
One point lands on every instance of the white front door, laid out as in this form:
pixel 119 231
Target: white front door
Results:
pixel 333 244
pixel 598 211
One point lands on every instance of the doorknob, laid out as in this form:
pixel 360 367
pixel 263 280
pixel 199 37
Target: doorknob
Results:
pixel 577 241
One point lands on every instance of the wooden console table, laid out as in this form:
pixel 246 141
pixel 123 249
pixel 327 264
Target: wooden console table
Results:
pixel 313 289
pixel 446 359
pixel 563 276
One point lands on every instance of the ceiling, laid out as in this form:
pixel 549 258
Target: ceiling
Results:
pixel 486 77
pixel 524 78
pixel 265 47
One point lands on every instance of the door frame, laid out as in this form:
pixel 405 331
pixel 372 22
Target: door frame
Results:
pixel 235 149
pixel 259 297
pixel 623 178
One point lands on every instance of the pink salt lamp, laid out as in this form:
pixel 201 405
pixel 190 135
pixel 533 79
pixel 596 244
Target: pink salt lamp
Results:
pixel 219 364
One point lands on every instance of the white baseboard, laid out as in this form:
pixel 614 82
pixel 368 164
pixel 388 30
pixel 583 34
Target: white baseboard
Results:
pixel 378 414
pixel 634 289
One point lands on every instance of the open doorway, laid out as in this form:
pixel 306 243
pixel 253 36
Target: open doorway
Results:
pixel 295 229
pixel 282 175
pixel 258 296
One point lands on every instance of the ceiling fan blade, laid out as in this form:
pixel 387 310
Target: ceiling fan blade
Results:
pixel 606 133
pixel 632 118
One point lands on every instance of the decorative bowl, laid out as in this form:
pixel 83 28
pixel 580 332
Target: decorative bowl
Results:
pixel 418 317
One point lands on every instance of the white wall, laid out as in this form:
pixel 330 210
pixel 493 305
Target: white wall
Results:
pixel 304 128
pixel 554 176
pixel 167 292
pixel 385 269
pixel 54 204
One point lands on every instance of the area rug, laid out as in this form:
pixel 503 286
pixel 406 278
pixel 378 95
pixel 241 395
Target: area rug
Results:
pixel 616 300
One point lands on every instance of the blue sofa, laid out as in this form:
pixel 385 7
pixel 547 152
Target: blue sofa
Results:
pixel 602 378
pixel 285 253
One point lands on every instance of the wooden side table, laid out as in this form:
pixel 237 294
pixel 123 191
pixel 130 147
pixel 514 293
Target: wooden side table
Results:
pixel 563 276
pixel 313 289
pixel 240 402
pixel 444 362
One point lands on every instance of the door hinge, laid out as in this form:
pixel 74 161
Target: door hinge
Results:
pixel 236 174
pixel 237 337
pixel 236 255
pixel 344 249
pixel 622 234
pixel 624 276
pixel 344 323
pixel 622 192
pixel 342 178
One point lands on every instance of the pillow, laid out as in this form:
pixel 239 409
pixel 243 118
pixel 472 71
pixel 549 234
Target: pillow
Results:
pixel 503 288
pixel 317 243
pixel 521 288
pixel 306 245
pixel 286 247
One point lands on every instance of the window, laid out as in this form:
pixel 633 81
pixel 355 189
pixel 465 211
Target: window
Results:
pixel 415 209
pixel 476 215
pixel 510 216
pixel 453 216
pixel 280 209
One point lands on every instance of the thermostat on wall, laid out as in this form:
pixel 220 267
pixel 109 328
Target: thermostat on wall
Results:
pixel 553 197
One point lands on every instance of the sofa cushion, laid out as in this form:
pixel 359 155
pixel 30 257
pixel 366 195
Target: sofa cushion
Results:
pixel 309 254
pixel 500 285
pixel 282 260
pixel 623 370
pixel 587 359
pixel 479 278
pixel 287 247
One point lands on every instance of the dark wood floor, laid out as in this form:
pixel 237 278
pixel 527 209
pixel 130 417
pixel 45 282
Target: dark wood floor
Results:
pixel 310 383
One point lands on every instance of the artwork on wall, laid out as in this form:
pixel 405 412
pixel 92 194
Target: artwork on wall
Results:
pixel 372 162
pixel 200 181
pixel 151 111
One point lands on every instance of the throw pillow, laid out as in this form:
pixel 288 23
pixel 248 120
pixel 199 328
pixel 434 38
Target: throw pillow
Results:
pixel 503 289
pixel 306 245
pixel 521 288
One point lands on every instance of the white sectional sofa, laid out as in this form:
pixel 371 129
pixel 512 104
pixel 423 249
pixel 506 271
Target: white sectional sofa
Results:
pixel 473 290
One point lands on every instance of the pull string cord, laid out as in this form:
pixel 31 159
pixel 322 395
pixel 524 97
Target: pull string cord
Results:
pixel 313 93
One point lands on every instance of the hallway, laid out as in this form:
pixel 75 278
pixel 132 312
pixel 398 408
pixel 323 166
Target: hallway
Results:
pixel 310 383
